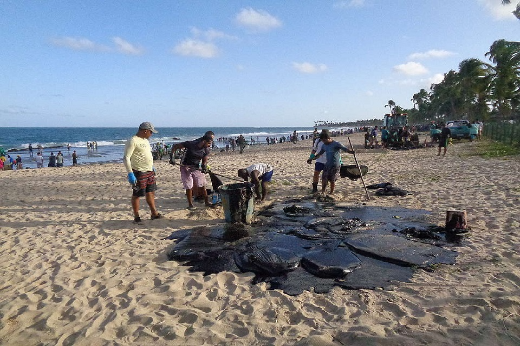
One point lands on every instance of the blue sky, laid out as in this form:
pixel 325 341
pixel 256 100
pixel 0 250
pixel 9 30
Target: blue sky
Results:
pixel 232 63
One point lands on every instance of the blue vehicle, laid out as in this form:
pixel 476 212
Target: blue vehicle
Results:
pixel 462 129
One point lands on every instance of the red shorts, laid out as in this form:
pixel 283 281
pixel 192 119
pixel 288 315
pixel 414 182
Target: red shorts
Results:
pixel 145 183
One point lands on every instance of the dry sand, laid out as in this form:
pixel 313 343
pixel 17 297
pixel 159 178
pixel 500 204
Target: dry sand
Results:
pixel 75 270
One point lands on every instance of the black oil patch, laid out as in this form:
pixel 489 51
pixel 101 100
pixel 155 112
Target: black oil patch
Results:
pixel 305 245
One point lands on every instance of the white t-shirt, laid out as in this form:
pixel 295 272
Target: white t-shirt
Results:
pixel 317 147
pixel 260 167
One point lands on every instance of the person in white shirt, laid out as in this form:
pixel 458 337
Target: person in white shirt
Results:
pixel 260 174
pixel 320 162
pixel 39 160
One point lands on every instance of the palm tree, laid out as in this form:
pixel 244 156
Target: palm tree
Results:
pixel 446 96
pixel 421 100
pixel 391 105
pixel 505 86
pixel 474 80
pixel 516 12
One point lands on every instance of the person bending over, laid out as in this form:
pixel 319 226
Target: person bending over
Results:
pixel 138 161
pixel 193 166
pixel 260 174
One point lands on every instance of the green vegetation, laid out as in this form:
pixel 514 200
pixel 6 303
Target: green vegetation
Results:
pixel 477 91
pixel 490 149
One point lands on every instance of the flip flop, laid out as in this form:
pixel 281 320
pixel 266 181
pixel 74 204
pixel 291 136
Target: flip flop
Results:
pixel 158 216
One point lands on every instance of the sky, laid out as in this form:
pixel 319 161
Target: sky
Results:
pixel 228 63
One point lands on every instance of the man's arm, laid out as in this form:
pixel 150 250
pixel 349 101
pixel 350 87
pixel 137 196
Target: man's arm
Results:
pixel 345 149
pixel 264 190
pixel 256 182
pixel 129 150
pixel 175 147
pixel 319 154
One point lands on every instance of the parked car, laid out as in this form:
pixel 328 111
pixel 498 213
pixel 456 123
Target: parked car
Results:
pixel 462 129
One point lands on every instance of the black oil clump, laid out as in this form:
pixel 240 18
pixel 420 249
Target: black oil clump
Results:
pixel 303 245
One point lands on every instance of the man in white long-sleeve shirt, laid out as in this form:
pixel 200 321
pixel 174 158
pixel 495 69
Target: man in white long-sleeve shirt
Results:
pixel 138 160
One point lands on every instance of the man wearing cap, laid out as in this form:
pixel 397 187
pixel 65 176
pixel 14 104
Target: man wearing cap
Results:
pixel 138 162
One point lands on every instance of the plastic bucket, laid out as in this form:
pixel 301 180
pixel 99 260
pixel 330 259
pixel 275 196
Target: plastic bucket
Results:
pixel 237 202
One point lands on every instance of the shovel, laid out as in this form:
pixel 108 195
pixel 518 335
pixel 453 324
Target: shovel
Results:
pixel 357 164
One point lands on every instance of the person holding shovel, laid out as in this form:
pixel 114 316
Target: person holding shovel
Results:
pixel 331 149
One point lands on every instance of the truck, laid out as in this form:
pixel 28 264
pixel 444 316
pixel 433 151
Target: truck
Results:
pixel 394 123
pixel 462 129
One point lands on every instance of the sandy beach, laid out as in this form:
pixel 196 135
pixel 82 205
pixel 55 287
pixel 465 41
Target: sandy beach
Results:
pixel 75 269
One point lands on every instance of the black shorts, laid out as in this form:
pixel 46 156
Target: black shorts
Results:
pixel 145 183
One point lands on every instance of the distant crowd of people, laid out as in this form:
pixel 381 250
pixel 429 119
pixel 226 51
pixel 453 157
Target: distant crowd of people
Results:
pixel 9 163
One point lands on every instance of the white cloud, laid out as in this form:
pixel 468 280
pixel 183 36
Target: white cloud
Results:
pixel 411 69
pixel 78 43
pixel 190 47
pixel 307 67
pixel 499 11
pixel 126 47
pixel 257 20
pixel 369 93
pixel 211 34
pixel 435 79
pixel 84 44
pixel 349 3
pixel 16 110
pixel 433 53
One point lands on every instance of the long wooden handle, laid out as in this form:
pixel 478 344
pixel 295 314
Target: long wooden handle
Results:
pixel 359 169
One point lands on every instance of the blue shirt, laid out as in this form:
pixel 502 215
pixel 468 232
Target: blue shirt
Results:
pixel 333 155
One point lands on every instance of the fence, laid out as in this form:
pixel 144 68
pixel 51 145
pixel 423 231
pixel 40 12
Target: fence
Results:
pixel 503 132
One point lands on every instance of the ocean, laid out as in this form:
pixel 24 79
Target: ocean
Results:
pixel 111 140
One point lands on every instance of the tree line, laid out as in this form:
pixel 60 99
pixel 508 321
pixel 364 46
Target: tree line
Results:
pixel 477 91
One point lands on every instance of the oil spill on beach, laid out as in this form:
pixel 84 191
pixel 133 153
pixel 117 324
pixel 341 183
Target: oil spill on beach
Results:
pixel 310 245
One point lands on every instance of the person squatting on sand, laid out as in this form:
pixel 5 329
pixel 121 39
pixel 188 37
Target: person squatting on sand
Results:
pixel 138 161
pixel 320 163
pixel 331 149
pixel 193 166
pixel 260 174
